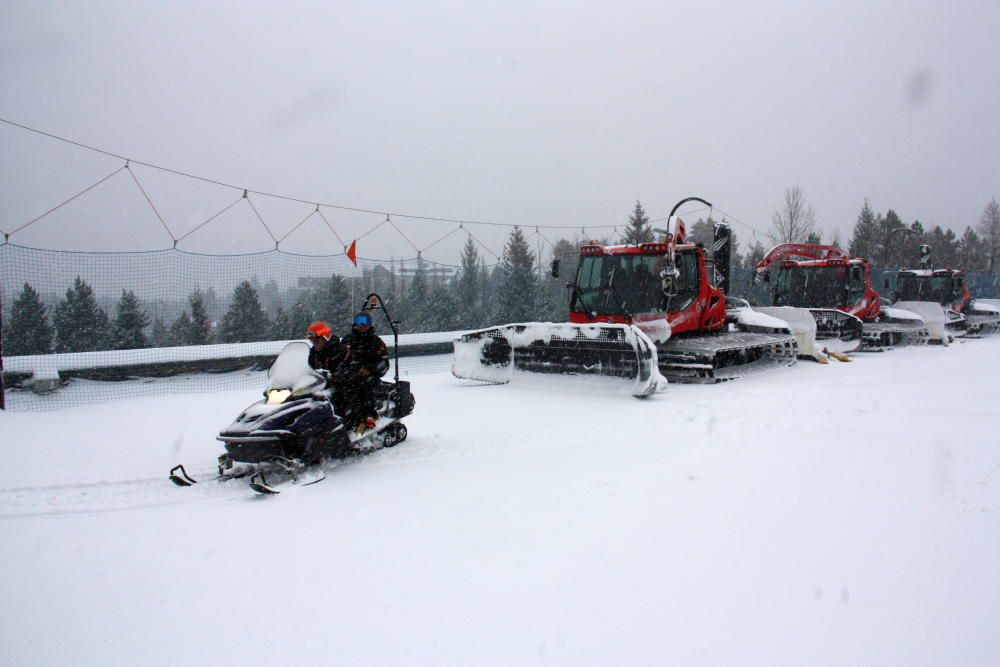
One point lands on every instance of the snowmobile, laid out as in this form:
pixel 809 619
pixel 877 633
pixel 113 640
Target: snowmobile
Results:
pixel 640 313
pixel 827 281
pixel 295 426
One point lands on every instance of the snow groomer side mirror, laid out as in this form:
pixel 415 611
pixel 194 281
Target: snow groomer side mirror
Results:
pixel 555 268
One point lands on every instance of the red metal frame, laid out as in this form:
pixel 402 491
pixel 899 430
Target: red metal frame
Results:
pixel 867 308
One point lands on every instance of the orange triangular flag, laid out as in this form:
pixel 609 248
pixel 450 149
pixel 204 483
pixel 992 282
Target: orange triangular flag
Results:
pixel 352 253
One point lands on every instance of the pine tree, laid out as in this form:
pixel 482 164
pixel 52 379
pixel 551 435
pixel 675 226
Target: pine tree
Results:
pixel 489 281
pixel 889 228
pixel 416 308
pixel 553 296
pixel 299 319
pixel 81 325
pixel 951 242
pixel 757 252
pixel 281 326
pixel 128 330
pixel 989 232
pixel 388 288
pixel 518 282
pixel 193 329
pixel 703 232
pixel 160 335
pixel 28 330
pixel 467 286
pixel 944 247
pixel 331 303
pixel 443 312
pixel 181 331
pixel 201 325
pixel 864 240
pixel 638 230
pixel 270 299
pixel 971 255
pixel 814 238
pixel 245 320
pixel 908 244
pixel 736 258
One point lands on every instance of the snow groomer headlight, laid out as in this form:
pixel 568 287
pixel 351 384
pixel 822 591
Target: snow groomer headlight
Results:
pixel 278 395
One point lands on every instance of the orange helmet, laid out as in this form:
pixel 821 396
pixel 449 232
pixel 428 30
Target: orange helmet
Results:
pixel 318 329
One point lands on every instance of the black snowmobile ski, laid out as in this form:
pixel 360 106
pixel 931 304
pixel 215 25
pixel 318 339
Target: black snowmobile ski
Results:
pixel 287 472
pixel 180 476
pixel 259 484
pixel 308 477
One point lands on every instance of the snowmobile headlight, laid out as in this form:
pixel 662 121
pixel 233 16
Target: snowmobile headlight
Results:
pixel 278 395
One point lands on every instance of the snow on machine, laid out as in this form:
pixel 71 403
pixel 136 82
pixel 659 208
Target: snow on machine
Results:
pixel 942 299
pixel 639 313
pixel 948 288
pixel 295 427
pixel 836 289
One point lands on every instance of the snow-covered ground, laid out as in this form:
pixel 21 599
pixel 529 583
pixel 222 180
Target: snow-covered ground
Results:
pixel 838 514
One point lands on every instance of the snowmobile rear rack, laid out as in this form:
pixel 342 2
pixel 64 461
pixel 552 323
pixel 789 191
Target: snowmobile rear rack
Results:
pixel 374 302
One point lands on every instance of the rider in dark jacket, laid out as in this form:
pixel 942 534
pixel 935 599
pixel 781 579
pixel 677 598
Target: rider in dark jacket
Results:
pixel 367 361
pixel 327 352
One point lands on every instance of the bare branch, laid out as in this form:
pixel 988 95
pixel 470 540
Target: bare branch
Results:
pixel 796 221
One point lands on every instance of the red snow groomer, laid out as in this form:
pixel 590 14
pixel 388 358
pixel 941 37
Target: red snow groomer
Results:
pixel 949 288
pixel 636 312
pixel 825 279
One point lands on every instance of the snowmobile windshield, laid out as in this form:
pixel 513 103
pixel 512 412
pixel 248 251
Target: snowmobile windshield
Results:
pixel 291 370
pixel 630 284
pixel 812 286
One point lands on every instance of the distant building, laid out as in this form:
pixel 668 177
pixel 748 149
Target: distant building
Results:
pixel 436 275
pixel 376 276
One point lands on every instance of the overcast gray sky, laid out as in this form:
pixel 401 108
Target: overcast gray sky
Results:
pixel 534 113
